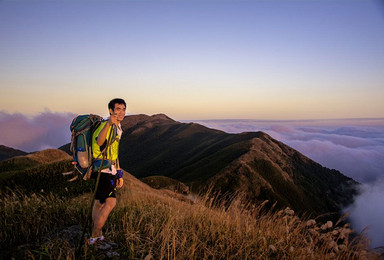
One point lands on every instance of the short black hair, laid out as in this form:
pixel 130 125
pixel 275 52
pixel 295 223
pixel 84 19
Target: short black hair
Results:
pixel 111 104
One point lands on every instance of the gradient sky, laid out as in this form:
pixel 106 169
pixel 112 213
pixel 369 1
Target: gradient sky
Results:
pixel 194 59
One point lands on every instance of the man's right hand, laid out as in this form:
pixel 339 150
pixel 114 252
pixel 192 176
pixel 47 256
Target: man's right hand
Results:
pixel 113 119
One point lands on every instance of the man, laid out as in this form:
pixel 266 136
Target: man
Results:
pixel 111 176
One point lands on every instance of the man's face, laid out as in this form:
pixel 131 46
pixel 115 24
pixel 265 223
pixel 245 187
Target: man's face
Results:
pixel 119 111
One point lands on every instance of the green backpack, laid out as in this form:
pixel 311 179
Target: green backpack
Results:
pixel 82 128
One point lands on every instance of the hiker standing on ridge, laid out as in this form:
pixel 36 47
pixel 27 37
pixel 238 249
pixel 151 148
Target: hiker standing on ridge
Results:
pixel 111 176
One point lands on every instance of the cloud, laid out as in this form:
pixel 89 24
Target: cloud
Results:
pixel 367 211
pixel 360 157
pixel 46 130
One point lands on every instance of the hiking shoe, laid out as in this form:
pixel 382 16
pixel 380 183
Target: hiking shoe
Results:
pixel 112 244
pixel 93 240
pixel 103 246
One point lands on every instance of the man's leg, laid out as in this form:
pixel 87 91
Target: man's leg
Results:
pixel 100 215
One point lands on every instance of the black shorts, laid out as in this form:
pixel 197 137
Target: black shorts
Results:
pixel 106 188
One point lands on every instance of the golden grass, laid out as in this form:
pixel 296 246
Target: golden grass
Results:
pixel 166 228
pixel 151 224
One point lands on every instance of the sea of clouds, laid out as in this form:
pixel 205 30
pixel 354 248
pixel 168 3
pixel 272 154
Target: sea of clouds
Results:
pixel 35 133
pixel 354 147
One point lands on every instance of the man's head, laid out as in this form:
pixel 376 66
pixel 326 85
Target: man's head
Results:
pixel 117 107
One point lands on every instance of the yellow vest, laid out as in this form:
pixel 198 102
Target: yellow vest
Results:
pixel 113 149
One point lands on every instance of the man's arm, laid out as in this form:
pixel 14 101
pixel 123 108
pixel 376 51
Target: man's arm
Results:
pixel 103 133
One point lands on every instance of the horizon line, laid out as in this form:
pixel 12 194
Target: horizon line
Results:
pixel 290 120
pixel 47 111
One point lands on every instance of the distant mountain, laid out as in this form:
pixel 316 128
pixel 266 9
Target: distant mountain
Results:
pixel 8 152
pixel 251 163
pixel 66 148
pixel 33 159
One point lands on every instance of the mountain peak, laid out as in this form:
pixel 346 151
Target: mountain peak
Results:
pixel 142 119
pixel 162 117
pixel 49 156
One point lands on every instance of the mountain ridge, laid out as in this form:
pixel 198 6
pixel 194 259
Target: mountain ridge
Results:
pixel 33 159
pixel 278 176
pixel 250 162
pixel 7 152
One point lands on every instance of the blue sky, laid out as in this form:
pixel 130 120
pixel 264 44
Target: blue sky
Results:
pixel 194 59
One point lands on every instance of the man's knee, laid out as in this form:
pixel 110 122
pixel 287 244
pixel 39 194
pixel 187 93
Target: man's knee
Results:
pixel 110 203
pixel 97 204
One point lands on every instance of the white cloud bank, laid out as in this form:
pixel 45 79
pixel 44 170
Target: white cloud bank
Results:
pixel 367 212
pixel 46 130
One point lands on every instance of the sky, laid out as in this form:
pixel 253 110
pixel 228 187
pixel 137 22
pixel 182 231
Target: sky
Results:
pixel 213 59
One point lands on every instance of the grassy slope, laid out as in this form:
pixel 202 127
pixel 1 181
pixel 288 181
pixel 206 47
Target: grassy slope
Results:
pixel 158 182
pixel 43 178
pixel 17 163
pixel 149 222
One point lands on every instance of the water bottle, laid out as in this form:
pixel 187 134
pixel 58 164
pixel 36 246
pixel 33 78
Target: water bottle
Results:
pixel 82 158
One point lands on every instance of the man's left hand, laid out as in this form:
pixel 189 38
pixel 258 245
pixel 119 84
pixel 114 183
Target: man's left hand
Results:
pixel 119 183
